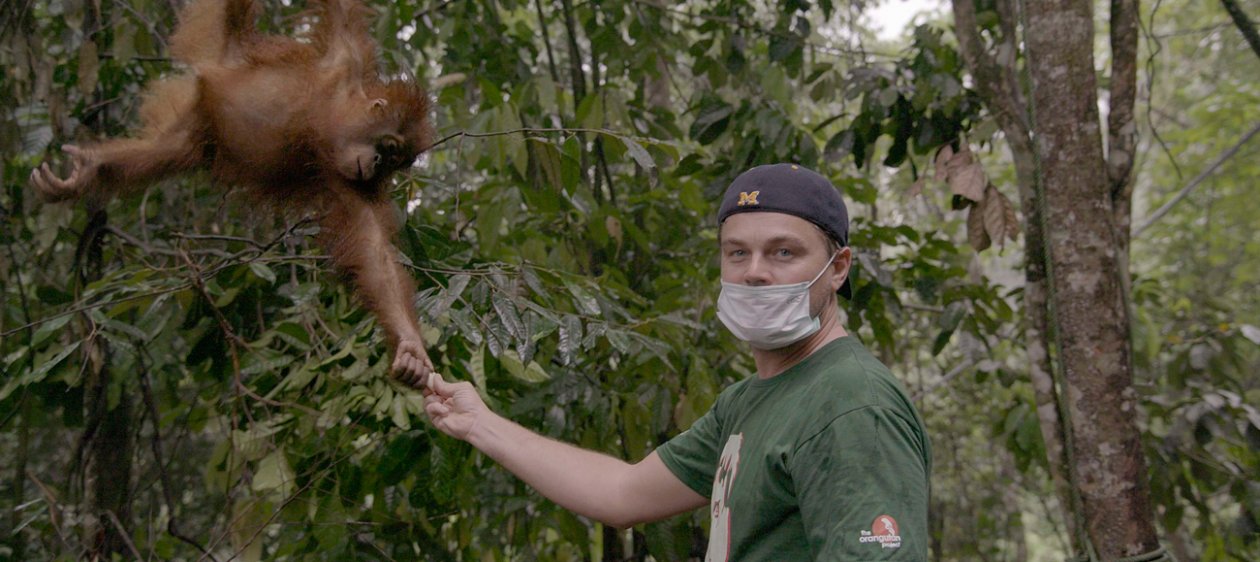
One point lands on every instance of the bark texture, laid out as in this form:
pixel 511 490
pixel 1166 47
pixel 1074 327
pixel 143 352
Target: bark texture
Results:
pixel 1121 126
pixel 1087 297
pixel 997 78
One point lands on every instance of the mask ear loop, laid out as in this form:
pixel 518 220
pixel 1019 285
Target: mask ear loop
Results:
pixel 830 261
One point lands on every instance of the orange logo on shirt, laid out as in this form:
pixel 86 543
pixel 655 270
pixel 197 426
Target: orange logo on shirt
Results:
pixel 884 530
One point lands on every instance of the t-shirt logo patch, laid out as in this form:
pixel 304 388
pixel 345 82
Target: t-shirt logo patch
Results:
pixel 723 481
pixel 748 198
pixel 884 530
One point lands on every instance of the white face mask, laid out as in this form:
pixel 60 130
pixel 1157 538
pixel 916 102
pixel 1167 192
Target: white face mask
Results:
pixel 769 316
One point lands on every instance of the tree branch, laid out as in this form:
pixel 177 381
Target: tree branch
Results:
pixel 1245 25
pixel 1121 128
pixel 992 73
pixel 1163 210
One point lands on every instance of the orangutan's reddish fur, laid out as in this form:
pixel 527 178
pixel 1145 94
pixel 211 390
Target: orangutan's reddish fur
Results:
pixel 301 125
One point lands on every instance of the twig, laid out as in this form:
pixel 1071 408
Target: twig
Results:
pixel 607 132
pixel 958 370
pixel 231 260
pixel 1163 210
pixel 225 238
pixel 53 506
pixel 1244 23
pixel 123 533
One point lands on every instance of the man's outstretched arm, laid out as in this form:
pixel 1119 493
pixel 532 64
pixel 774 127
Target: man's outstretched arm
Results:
pixel 592 484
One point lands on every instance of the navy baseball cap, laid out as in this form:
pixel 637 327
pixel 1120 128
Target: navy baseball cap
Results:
pixel 793 190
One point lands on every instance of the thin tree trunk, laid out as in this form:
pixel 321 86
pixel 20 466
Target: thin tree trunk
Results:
pixel 1122 127
pixel 998 80
pixel 546 35
pixel 111 468
pixel 577 81
pixel 1086 295
pixel 1244 24
pixel 1046 391
pixel 110 411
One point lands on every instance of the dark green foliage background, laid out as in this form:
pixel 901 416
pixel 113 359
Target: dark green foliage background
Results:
pixel 563 240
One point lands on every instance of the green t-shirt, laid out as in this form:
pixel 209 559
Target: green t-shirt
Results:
pixel 826 461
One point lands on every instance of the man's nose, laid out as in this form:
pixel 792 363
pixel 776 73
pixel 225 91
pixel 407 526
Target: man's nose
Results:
pixel 758 271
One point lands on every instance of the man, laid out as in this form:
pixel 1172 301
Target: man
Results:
pixel 821 456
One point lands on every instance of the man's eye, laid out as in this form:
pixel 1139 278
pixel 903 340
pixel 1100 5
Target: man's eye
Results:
pixel 783 253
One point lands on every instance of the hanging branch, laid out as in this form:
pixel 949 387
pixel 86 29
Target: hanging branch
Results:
pixel 1163 210
pixel 1244 23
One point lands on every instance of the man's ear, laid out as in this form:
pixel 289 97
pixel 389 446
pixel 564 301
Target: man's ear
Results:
pixel 840 267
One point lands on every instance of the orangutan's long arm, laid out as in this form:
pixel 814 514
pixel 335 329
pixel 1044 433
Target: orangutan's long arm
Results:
pixel 359 233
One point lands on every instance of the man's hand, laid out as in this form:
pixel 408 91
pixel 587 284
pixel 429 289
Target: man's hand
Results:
pixel 411 364
pixel 455 408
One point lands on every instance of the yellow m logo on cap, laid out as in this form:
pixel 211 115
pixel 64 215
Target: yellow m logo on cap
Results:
pixel 748 198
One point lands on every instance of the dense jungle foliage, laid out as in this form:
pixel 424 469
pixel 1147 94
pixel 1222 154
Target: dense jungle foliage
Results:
pixel 195 363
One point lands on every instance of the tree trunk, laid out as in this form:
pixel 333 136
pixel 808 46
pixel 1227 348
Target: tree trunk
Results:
pixel 1244 24
pixel 1086 295
pixel 109 460
pixel 998 81
pixel 111 468
pixel 1122 127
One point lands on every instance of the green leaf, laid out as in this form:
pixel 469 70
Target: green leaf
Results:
pixel 39 373
pixel 398 412
pixel 508 316
pixel 454 288
pixel 712 121
pixel 549 162
pixel 590 112
pixel 49 329
pixel 477 368
pixel 534 373
pixel 638 153
pixel 585 301
pixel 512 363
pixel 570 338
pixel 274 475
pixel 263 272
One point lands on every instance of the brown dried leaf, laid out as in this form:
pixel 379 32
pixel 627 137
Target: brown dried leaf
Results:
pixel 968 181
pixel 1012 221
pixel 943 155
pixel 960 159
pixel 1000 222
pixel 994 215
pixel 976 235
